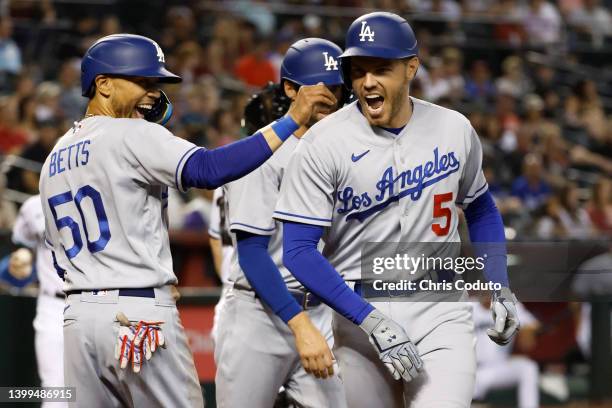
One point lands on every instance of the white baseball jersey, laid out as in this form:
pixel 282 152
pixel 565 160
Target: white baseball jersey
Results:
pixel 367 184
pixel 250 203
pixel 29 230
pixel 104 194
pixel 488 352
pixel 215 230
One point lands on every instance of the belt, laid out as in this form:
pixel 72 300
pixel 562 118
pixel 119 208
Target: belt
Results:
pixel 60 295
pixel 305 299
pixel 136 292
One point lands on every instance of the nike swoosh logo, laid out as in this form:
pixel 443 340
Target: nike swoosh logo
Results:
pixel 357 158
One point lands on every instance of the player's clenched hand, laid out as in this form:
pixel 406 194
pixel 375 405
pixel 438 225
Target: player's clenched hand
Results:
pixel 136 341
pixel 20 263
pixel 308 100
pixel 312 347
pixel 394 347
pixel 505 318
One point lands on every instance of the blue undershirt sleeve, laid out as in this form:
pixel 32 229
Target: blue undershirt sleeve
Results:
pixel 263 275
pixel 309 266
pixel 486 230
pixel 210 169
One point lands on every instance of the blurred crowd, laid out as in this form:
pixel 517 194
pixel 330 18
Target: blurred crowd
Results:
pixel 532 76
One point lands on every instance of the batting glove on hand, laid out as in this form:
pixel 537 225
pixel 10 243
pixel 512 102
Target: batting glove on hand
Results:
pixel 394 347
pixel 505 318
pixel 137 340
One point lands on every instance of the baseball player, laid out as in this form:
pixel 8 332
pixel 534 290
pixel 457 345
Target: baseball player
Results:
pixel 222 251
pixel 272 332
pixel 104 190
pixel 496 367
pixel 391 168
pixel 264 107
pixel 28 232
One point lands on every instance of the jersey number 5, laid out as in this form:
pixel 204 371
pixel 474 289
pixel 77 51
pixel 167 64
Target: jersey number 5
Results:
pixel 439 212
pixel 69 222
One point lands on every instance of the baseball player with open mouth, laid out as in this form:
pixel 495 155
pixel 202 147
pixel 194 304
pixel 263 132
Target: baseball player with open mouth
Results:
pixel 391 168
pixel 272 332
pixel 104 191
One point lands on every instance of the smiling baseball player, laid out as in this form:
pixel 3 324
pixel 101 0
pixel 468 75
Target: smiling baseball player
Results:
pixel 391 168
pixel 104 194
pixel 289 331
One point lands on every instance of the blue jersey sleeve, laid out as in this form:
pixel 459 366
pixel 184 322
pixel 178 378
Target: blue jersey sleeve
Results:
pixel 486 230
pixel 309 266
pixel 264 276
pixel 210 169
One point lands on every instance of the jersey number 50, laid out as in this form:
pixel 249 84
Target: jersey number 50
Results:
pixel 69 222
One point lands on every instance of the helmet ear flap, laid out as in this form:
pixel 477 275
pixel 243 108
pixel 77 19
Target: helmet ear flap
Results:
pixel 347 96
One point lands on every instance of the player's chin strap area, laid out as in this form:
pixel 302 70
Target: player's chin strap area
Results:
pixel 161 111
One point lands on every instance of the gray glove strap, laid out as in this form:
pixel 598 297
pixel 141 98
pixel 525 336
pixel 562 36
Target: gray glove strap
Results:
pixel 379 327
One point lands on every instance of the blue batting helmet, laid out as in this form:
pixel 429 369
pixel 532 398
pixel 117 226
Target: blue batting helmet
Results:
pixel 310 61
pixel 379 34
pixel 124 54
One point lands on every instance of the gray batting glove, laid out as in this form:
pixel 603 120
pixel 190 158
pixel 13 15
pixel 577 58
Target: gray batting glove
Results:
pixel 394 347
pixel 505 318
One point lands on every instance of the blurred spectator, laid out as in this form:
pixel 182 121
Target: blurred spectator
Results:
pixel 254 68
pixel 47 101
pixel 258 13
pixel 593 21
pixel 479 86
pixel 25 87
pixel 8 211
pixel 556 154
pixel 447 9
pixel 600 207
pixel 188 60
pixel 12 138
pixel 546 86
pixel 583 109
pixel 48 133
pixel 437 85
pixel 10 55
pixel 531 187
pixel 510 29
pixel 565 218
pixel 110 25
pixel 542 23
pixel 224 128
pixel 513 80
pixel 534 125
pixel 71 104
pixel 452 60
pixel 508 121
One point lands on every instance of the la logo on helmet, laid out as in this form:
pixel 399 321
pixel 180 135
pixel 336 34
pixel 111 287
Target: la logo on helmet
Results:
pixel 330 62
pixel 160 53
pixel 366 31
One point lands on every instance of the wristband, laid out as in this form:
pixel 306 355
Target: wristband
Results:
pixel 285 127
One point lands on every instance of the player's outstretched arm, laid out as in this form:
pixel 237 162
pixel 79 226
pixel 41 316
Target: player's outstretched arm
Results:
pixel 308 265
pixel 265 278
pixel 213 168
